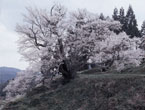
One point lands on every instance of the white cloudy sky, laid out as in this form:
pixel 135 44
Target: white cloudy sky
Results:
pixel 11 13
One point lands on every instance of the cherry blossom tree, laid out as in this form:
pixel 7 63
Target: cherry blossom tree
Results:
pixel 104 46
pixel 24 82
pixel 60 42
pixel 42 40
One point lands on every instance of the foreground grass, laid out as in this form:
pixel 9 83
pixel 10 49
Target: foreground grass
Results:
pixel 88 92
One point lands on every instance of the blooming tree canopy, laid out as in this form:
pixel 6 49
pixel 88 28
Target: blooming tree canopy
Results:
pixel 58 42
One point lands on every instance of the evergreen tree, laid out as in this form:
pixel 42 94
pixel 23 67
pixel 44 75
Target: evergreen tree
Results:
pixel 107 18
pixel 131 24
pixel 115 14
pixel 101 16
pixel 121 12
pixel 143 29
pixel 122 19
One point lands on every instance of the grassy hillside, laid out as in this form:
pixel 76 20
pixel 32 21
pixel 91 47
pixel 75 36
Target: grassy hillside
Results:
pixel 89 92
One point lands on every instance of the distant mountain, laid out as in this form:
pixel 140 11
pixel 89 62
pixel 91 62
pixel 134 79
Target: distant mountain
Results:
pixel 7 73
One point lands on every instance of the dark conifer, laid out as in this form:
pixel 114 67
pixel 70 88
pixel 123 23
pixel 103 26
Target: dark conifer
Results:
pixel 131 24
pixel 101 16
pixel 115 14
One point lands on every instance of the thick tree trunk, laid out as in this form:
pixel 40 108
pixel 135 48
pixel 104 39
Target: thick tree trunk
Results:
pixel 65 68
pixel 67 73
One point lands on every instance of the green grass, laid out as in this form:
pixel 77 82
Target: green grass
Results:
pixel 89 91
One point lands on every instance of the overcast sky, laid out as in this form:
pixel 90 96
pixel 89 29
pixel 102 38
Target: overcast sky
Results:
pixel 11 14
